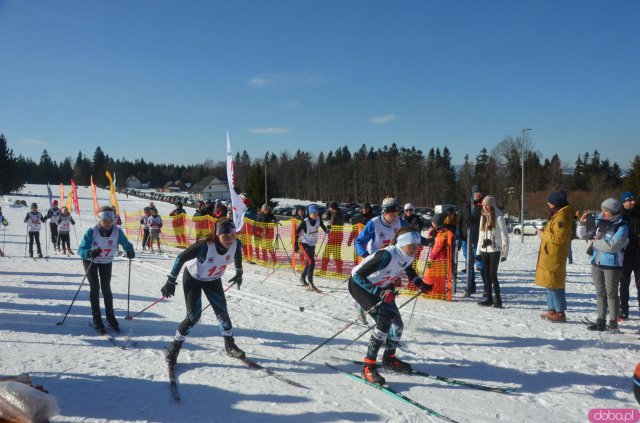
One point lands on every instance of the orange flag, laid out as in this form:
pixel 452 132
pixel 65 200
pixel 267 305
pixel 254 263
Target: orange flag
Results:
pixel 96 208
pixel 61 193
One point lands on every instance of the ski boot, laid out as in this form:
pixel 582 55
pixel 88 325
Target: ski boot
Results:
pixel 599 325
pixel 111 319
pixel 97 322
pixel 303 282
pixel 31 254
pixel 232 349
pixel 486 303
pixel 171 353
pixel 613 327
pixel 39 255
pixel 391 362
pixel 370 373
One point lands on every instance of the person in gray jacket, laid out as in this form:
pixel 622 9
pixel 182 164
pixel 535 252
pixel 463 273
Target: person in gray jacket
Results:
pixel 606 248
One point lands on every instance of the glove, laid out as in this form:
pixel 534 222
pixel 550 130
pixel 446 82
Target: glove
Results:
pixel 430 242
pixel 169 288
pixel 95 253
pixel 131 254
pixel 388 295
pixel 419 283
pixel 503 258
pixel 328 228
pixel 237 278
pixel 296 248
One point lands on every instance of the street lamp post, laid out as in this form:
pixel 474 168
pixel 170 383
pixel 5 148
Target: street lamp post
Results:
pixel 524 137
pixel 266 197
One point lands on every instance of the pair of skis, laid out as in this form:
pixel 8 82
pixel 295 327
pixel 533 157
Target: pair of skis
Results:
pixel 112 338
pixel 400 396
pixel 173 381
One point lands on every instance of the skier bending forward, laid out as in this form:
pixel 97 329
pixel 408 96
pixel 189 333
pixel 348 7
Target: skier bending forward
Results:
pixel 206 262
pixel 371 284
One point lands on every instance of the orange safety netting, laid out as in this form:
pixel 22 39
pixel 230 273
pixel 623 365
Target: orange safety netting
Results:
pixel 271 245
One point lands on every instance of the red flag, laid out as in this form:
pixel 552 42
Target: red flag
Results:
pixel 61 193
pixel 75 197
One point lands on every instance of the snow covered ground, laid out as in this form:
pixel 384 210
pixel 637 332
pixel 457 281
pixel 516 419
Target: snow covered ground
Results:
pixel 560 371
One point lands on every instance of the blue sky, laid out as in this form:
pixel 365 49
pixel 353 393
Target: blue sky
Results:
pixel 164 80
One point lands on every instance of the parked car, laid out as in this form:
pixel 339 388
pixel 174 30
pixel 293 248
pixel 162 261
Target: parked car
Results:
pixel 530 227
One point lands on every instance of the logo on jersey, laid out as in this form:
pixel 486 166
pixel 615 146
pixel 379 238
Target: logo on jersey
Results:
pixel 110 242
pixel 210 259
pixel 228 257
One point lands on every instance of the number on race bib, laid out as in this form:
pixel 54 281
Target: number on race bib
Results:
pixel 219 273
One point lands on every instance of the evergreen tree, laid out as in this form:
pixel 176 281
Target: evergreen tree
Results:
pixel 632 178
pixel 11 178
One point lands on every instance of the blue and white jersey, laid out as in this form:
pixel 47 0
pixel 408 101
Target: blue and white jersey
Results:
pixel 309 235
pixel 377 234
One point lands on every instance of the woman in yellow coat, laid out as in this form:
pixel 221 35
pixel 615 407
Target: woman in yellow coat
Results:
pixel 555 243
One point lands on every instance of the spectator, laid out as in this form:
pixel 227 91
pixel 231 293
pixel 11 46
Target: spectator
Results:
pixel 264 233
pixel 411 218
pixel 555 244
pixel 468 229
pixel 492 248
pixel 606 251
pixel 335 237
pixel 631 263
pixel 179 225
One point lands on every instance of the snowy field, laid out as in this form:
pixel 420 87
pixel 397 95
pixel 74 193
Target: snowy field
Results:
pixel 560 371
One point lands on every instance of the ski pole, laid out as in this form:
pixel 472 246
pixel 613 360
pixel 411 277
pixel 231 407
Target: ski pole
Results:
pixel 46 241
pixel 76 296
pixel 145 309
pixel 324 296
pixel 424 270
pixel 321 244
pixel 128 291
pixel 338 333
pixel 76 236
pixel 26 235
pixel 225 290
pixel 272 272
pixel 370 328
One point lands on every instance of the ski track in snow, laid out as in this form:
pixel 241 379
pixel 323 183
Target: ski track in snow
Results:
pixel 560 371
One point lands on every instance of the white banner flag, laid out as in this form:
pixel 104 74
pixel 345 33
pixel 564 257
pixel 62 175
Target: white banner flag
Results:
pixel 237 205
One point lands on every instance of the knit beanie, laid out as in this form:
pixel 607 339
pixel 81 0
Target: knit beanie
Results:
pixel 489 200
pixel 225 227
pixel 627 195
pixel 558 198
pixel 611 205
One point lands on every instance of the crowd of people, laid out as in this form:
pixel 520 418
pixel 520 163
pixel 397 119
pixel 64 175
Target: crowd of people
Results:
pixel 386 247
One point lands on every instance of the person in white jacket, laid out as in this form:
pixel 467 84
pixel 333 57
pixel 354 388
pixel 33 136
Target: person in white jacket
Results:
pixel 492 248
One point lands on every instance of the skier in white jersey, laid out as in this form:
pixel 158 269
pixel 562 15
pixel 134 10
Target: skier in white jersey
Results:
pixel 34 221
pixel 98 248
pixel 307 233
pixel 64 228
pixel 371 284
pixel 206 262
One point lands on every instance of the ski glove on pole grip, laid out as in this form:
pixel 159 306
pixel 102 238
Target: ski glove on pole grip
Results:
pixel 169 288
pixel 421 285
pixel 95 253
pixel 131 254
pixel 237 278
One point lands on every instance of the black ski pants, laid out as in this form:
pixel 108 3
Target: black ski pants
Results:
pixel 625 282
pixel 64 240
pixel 389 323
pixel 145 238
pixel 99 277
pixel 34 236
pixel 490 263
pixel 193 289
pixel 309 261
pixel 54 233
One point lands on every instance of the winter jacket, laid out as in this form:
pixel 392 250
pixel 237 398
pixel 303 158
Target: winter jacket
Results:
pixel 551 270
pixel 611 237
pixel 470 217
pixel 86 245
pixel 414 220
pixel 632 251
pixel 499 236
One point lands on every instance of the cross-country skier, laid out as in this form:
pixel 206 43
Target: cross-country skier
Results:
pixel 371 283
pixel 53 215
pixel 98 248
pixel 34 221
pixel 307 235
pixel 379 233
pixel 4 223
pixel 155 225
pixel 144 221
pixel 64 228
pixel 206 262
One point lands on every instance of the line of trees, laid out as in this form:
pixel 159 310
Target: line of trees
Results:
pixel 365 174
